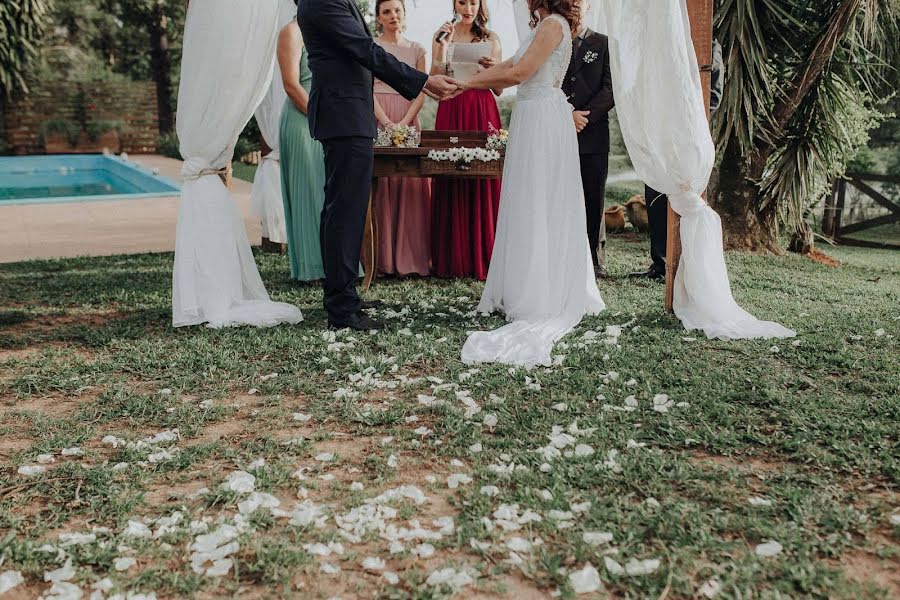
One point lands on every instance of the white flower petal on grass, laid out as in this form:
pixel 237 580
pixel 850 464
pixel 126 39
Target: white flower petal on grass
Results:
pixel 63 591
pixel 662 403
pixel 631 382
pixel 476 448
pixel 518 544
pixel 583 450
pixel 636 567
pixel 879 332
pixel 422 431
pixel 31 470
pixel 479 545
pixel 257 500
pixel 586 580
pixel 373 563
pixel 329 569
pixel 220 567
pixel 769 549
pixel 424 550
pixel 596 538
pixel 137 529
pixel 759 501
pixel 76 539
pixel 240 482
pixel 457 479
pixel 9 580
pixel 45 459
pixel 124 563
pixel 631 403
pixel 393 462
pixel 710 589
pixel 391 578
pixel 490 490
pixel 560 407
pixel 357 486
pixel 252 391
pixel 325 457
pixel 456 580
pixel 612 566
pixel 75 451
pixel 429 400
pixel 64 573
pixel 895 520
pixel 302 417
pixel 490 420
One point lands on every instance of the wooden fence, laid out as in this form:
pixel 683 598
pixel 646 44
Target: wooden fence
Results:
pixel 832 221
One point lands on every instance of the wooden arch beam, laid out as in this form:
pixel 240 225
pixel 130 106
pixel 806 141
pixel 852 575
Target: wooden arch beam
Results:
pixel 700 13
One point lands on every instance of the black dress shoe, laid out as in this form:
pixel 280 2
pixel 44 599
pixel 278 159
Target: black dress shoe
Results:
pixel 600 272
pixel 650 273
pixel 370 304
pixel 358 322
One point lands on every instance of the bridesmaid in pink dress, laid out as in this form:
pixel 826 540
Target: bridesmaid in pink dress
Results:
pixel 464 213
pixel 402 205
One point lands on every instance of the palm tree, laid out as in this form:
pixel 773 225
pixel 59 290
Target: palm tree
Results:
pixel 21 25
pixel 805 81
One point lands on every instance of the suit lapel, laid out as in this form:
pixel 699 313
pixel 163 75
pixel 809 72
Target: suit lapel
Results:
pixel 578 60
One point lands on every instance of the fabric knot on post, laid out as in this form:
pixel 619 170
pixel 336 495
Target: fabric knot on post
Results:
pixel 195 168
pixel 686 202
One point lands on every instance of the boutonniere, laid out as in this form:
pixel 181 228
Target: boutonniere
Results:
pixel 590 56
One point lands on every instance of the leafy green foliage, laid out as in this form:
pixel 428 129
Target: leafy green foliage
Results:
pixel 21 27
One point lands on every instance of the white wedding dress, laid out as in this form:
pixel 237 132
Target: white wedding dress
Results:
pixel 541 274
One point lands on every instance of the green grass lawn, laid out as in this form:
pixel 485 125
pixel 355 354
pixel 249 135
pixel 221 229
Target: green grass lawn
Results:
pixel 355 437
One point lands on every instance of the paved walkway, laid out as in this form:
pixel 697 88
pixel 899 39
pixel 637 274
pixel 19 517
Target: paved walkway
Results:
pixel 104 227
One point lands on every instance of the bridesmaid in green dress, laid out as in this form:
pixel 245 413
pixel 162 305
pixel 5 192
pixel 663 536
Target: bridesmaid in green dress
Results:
pixel 302 160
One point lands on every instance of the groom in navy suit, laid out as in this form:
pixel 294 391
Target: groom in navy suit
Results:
pixel 343 58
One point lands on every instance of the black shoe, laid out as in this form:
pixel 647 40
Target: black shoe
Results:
pixel 358 322
pixel 650 273
pixel 370 304
pixel 600 272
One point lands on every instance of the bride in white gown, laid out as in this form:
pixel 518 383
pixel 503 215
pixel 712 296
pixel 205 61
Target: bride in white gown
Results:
pixel 541 273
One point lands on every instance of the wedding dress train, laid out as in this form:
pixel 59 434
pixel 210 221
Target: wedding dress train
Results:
pixel 541 274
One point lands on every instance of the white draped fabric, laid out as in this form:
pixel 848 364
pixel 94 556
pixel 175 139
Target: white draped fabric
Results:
pixel 660 106
pixel 265 196
pixel 229 49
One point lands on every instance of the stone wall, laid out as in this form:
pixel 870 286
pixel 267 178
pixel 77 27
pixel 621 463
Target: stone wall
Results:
pixel 132 103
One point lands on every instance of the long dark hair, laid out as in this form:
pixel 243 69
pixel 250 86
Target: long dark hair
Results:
pixel 480 29
pixel 570 10
pixel 378 28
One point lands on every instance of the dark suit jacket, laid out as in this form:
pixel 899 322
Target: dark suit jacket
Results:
pixel 343 57
pixel 588 85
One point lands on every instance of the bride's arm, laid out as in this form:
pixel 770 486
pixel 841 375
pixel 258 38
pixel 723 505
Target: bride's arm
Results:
pixel 507 74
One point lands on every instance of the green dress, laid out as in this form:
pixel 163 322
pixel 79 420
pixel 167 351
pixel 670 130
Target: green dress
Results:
pixel 302 186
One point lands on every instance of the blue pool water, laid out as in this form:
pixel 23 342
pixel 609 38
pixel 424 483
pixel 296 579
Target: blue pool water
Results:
pixel 77 178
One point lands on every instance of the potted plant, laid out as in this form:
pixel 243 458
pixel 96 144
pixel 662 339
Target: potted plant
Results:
pixel 59 136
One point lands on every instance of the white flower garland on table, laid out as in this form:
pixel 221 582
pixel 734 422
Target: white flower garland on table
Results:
pixel 465 155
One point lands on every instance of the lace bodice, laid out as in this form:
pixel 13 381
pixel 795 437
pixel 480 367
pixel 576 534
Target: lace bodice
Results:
pixel 550 74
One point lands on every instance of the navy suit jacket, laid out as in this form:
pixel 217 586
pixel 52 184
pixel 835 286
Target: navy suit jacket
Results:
pixel 343 58
pixel 588 85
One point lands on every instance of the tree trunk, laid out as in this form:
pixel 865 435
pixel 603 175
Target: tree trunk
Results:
pixel 735 195
pixel 802 239
pixel 161 64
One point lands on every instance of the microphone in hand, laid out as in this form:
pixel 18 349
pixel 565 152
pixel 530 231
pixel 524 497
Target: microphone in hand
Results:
pixel 442 35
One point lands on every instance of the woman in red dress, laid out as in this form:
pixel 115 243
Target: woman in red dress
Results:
pixel 464 211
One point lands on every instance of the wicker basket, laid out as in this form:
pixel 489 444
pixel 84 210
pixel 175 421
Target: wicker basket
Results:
pixel 476 168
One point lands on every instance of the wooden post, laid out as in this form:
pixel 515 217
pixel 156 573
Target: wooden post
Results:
pixel 700 13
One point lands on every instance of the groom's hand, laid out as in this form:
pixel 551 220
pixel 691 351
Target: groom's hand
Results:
pixel 580 118
pixel 440 87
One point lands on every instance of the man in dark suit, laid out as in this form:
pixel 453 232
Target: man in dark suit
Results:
pixel 588 85
pixel 658 203
pixel 343 58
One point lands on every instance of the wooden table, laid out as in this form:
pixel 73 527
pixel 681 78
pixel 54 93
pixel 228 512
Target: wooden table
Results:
pixel 414 162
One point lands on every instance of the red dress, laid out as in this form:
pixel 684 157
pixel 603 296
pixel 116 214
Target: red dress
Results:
pixel 464 211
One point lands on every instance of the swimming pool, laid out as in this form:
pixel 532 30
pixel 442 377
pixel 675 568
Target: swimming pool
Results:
pixel 77 178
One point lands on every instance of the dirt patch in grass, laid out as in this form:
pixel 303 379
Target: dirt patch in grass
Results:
pixel 866 568
pixel 745 464
pixel 40 324
pixel 48 405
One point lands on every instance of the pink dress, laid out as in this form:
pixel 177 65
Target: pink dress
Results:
pixel 402 204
